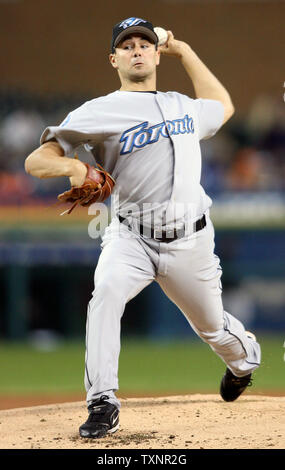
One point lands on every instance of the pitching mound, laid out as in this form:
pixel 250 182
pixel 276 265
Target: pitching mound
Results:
pixel 176 422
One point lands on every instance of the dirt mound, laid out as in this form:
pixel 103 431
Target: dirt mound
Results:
pixel 174 422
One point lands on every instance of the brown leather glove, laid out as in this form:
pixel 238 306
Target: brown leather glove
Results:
pixel 97 187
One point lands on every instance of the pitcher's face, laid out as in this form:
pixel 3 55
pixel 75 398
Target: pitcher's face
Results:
pixel 135 58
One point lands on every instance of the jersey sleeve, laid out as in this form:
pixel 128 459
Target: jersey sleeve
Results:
pixel 210 117
pixel 80 127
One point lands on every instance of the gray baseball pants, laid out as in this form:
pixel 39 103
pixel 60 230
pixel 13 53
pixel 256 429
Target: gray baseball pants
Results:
pixel 189 273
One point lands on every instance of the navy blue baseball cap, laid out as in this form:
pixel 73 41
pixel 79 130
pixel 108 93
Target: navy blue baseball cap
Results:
pixel 132 25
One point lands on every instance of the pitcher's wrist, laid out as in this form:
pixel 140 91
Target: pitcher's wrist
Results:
pixel 77 172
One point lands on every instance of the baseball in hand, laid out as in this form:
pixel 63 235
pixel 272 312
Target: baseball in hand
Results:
pixel 161 34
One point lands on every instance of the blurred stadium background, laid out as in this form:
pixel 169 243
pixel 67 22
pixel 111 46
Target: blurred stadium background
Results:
pixel 54 57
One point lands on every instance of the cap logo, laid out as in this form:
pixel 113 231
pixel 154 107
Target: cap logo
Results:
pixel 131 22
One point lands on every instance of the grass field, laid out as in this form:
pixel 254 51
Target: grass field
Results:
pixel 146 367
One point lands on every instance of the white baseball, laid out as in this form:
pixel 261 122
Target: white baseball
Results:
pixel 161 34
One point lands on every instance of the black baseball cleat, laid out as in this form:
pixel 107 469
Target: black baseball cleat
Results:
pixel 103 419
pixel 232 387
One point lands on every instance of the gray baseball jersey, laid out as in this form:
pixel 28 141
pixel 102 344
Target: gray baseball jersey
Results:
pixel 149 142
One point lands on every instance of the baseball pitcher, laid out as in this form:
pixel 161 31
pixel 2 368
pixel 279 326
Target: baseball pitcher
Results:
pixel 147 146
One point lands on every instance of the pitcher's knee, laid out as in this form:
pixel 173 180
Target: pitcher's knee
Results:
pixel 109 290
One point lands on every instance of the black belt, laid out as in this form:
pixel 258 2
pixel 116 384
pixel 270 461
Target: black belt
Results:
pixel 167 236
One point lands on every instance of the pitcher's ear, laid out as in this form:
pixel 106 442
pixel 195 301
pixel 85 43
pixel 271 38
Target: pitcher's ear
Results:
pixel 158 57
pixel 113 61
